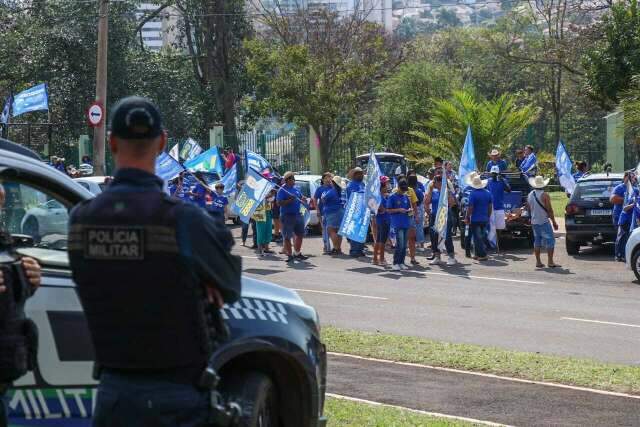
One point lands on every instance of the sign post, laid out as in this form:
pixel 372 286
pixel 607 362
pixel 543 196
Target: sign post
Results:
pixel 95 114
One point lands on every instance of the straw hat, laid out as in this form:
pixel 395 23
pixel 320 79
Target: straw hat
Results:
pixel 538 182
pixel 494 152
pixel 478 183
pixel 338 181
pixel 469 177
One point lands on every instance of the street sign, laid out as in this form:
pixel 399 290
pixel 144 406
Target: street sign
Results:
pixel 95 114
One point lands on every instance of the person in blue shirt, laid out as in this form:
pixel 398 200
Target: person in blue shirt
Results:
pixel 415 235
pixel 529 165
pixel 333 213
pixel 199 192
pixel 289 199
pixel 399 208
pixel 218 203
pixel 356 186
pixel 582 170
pixel 495 160
pixel 464 203
pixel 626 213
pixel 317 200
pixel 383 223
pixel 617 198
pixel 479 210
pixel 431 201
pixel 498 186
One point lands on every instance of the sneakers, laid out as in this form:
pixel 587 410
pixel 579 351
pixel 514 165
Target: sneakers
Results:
pixel 301 257
pixel 436 260
pixel 290 259
pixel 397 267
pixel 404 266
pixel 452 261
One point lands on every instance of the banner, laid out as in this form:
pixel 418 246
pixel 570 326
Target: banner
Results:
pixel 175 152
pixel 253 192
pixel 167 167
pixel 355 222
pixel 209 161
pixel 230 179
pixel 257 162
pixel 372 185
pixel 442 215
pixel 631 199
pixel 190 149
pixel 306 214
pixel 4 116
pixel 563 169
pixel 32 99
pixel 468 159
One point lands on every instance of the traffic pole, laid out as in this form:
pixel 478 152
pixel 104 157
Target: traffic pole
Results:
pixel 101 87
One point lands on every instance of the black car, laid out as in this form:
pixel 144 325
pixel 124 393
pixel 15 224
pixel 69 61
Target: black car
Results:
pixel 588 215
pixel 274 363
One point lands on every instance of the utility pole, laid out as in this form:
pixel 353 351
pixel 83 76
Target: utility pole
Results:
pixel 101 87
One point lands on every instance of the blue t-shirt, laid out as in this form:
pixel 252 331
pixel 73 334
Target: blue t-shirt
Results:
pixel 397 201
pixel 578 175
pixel 625 217
pixel 619 190
pixel 480 199
pixel 218 203
pixel 422 187
pixel 435 198
pixel 292 208
pixel 497 188
pixel 383 217
pixel 354 186
pixel 332 201
pixel 320 191
pixel 502 164
pixel 199 197
pixel 419 195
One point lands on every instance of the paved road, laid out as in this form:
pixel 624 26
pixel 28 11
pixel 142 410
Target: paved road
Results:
pixel 589 308
pixel 487 399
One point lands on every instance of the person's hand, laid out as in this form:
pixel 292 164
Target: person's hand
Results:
pixel 555 226
pixel 2 287
pixel 33 271
pixel 214 296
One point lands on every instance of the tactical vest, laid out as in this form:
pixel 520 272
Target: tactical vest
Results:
pixel 144 308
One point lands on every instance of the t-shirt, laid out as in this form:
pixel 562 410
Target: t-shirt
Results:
pixel 502 164
pixel 320 191
pixel 419 195
pixel 625 217
pixel 332 201
pixel 619 190
pixel 383 217
pixel 497 188
pixel 292 208
pixel 218 203
pixel 411 194
pixel 578 175
pixel 435 197
pixel 397 201
pixel 480 199
pixel 422 187
pixel 199 197
pixel 354 186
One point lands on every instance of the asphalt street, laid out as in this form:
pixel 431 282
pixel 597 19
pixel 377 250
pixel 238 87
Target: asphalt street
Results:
pixel 588 308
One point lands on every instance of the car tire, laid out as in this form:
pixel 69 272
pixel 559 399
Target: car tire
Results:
pixel 257 396
pixel 32 228
pixel 635 259
pixel 573 248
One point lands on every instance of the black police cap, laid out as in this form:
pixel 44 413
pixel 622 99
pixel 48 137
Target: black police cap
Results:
pixel 135 117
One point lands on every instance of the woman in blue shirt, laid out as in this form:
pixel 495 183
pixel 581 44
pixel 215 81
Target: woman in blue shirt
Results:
pixel 399 207
pixel 383 223
pixel 333 211
pixel 217 206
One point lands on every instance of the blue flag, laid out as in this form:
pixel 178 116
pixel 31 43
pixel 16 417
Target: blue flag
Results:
pixel 631 197
pixel 306 214
pixel 257 162
pixel 230 179
pixel 529 165
pixel 468 159
pixel 442 215
pixel 253 192
pixel 209 161
pixel 563 168
pixel 4 116
pixel 372 186
pixel 167 167
pixel 190 149
pixel 32 99
pixel 355 222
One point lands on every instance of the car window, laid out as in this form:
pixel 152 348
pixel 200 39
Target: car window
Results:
pixel 84 184
pixel 36 214
pixel 590 190
pixel 304 187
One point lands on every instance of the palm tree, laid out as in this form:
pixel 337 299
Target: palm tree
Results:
pixel 494 123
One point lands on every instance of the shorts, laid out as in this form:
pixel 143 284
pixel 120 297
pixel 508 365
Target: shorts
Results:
pixel 543 236
pixel 292 225
pixel 499 219
pixel 382 232
pixel 334 219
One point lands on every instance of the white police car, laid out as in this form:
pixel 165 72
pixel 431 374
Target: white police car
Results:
pixel 274 365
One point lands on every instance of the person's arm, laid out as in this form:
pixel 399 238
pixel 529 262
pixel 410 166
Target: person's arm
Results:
pixel 32 270
pixel 547 203
pixel 427 199
pixel 616 199
pixel 467 218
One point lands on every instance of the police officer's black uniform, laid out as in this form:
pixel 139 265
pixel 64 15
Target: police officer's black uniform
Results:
pixel 140 260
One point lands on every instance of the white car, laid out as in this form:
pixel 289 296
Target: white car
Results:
pixel 95 184
pixel 632 253
pixel 45 219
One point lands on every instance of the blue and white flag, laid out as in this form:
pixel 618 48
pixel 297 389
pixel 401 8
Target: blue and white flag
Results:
pixel 257 162
pixel 306 214
pixel 468 159
pixel 355 222
pixel 4 116
pixel 229 180
pixel 631 198
pixel 372 185
pixel 32 99
pixel 563 169
pixel 175 152
pixel 442 215
pixel 529 165
pixel 492 235
pixel 209 161
pixel 190 150
pixel 167 167
pixel 253 192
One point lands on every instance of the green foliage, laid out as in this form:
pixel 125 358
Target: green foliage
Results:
pixel 631 107
pixel 448 18
pixel 494 123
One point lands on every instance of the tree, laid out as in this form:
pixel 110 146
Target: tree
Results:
pixel 494 123
pixel 631 107
pixel 448 18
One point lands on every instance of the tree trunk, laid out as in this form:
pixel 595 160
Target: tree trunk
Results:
pixel 325 147
pixel 558 100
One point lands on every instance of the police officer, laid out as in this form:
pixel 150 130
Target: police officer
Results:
pixel 146 265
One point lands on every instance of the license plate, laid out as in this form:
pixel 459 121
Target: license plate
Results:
pixel 600 212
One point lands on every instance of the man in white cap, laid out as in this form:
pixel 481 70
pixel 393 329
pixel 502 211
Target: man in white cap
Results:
pixel 498 185
pixel 479 211
pixel 542 217
pixel 495 160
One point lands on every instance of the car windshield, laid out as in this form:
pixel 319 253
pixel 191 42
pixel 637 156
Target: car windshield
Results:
pixel 388 165
pixel 304 187
pixel 595 190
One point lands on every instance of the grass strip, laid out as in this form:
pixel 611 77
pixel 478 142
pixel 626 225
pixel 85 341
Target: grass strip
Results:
pixel 529 366
pixel 343 413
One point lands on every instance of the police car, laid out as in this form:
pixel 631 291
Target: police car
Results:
pixel 274 364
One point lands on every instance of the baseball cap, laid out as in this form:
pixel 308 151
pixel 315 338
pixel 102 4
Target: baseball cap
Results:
pixel 135 117
pixel 495 169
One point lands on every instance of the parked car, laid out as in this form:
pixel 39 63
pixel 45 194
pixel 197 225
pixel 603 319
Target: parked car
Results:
pixel 48 218
pixel 391 164
pixel 95 184
pixel 308 184
pixel 273 365
pixel 588 213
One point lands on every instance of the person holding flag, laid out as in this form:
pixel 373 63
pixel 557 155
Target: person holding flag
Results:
pixel 289 199
pixel 356 186
pixel 438 200
pixel 217 205
pixel 582 169
pixel 383 223
pixel 399 207
pixel 333 209
pixel 479 209
pixel 626 214
pixel 529 166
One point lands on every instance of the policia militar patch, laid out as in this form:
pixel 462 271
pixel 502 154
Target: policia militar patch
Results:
pixel 114 243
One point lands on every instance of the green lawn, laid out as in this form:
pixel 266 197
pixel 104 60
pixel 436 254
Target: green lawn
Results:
pixel 559 201
pixel 343 413
pixel 530 366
